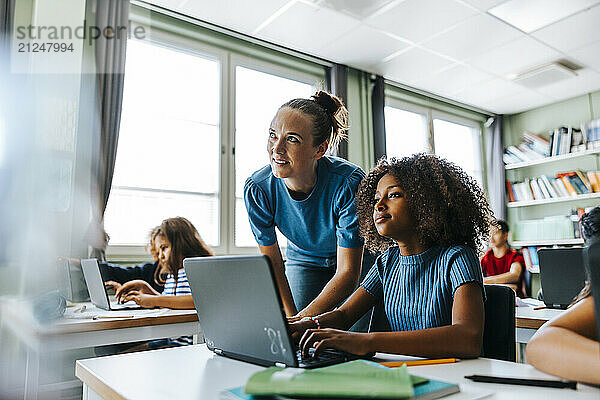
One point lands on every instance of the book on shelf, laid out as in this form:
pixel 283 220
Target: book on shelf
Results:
pixel 531 259
pixel 562 140
pixel 566 184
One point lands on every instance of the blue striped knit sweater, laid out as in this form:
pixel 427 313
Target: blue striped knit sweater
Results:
pixel 418 290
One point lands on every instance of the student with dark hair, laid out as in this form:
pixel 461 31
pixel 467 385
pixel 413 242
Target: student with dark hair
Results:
pixel 428 217
pixel 151 272
pixel 309 197
pixel 176 239
pixel 568 346
pixel 501 264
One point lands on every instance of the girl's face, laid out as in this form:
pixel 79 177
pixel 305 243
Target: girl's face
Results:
pixel 164 249
pixel 390 212
pixel 290 144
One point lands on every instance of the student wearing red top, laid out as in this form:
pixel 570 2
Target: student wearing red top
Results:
pixel 501 264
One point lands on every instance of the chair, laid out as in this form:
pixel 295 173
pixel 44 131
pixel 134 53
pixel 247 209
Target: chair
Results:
pixel 526 287
pixel 499 329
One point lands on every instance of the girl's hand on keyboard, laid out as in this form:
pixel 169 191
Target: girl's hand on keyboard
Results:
pixel 321 339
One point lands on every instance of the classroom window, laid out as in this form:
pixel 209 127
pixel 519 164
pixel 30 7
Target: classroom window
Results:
pixel 258 96
pixel 459 143
pixel 411 129
pixel 405 132
pixel 168 153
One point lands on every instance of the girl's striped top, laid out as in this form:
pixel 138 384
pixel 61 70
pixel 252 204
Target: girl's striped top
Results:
pixel 182 288
pixel 418 290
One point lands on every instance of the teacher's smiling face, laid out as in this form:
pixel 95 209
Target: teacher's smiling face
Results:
pixel 290 146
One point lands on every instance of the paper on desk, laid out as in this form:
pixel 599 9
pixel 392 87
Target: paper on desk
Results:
pixel 528 302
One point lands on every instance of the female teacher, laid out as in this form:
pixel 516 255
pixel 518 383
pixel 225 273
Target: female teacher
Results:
pixel 309 197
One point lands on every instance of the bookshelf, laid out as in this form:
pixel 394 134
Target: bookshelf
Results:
pixel 527 203
pixel 547 160
pixel 538 222
pixel 548 243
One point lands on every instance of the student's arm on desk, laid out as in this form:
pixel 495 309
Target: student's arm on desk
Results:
pixel 567 346
pixel 184 302
pixel 512 276
pixel 462 338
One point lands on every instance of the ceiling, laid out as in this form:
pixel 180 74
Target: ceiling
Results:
pixel 463 50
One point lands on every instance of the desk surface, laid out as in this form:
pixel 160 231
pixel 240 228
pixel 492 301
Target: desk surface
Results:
pixel 75 322
pixel 194 372
pixel 528 317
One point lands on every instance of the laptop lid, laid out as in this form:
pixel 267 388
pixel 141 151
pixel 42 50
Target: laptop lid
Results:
pixel 591 261
pixel 239 308
pixel 562 275
pixel 65 286
pixel 95 283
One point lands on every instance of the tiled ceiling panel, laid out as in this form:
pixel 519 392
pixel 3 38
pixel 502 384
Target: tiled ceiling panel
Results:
pixel 474 36
pixel 514 57
pixel 417 20
pixel 531 15
pixel 412 66
pixel 574 32
pixel 307 28
pixel 454 48
pixel 586 81
pixel 241 16
pixel 362 47
pixel 588 56
pixel 453 79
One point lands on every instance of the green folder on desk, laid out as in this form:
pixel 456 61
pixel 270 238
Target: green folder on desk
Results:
pixel 355 379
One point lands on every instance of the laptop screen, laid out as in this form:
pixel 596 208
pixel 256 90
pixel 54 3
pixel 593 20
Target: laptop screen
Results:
pixel 239 308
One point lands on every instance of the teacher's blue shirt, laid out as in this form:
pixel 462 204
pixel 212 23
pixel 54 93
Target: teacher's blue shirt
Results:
pixel 314 226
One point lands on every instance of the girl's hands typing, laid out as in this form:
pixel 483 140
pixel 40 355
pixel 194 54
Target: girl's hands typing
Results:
pixel 138 285
pixel 321 339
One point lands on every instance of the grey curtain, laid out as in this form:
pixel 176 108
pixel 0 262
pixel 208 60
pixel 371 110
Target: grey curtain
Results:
pixel 110 73
pixel 495 166
pixel 7 15
pixel 337 84
pixel 378 105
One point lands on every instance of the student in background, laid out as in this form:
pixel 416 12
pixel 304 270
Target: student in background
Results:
pixel 116 275
pixel 567 346
pixel 501 264
pixel 309 196
pixel 428 217
pixel 175 240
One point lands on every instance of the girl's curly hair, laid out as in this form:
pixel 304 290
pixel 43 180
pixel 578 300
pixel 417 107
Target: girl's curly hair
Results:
pixel 447 206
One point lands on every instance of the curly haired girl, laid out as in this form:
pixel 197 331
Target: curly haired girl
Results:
pixel 429 218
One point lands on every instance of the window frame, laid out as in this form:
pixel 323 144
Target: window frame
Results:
pixel 228 61
pixel 432 113
pixel 459 120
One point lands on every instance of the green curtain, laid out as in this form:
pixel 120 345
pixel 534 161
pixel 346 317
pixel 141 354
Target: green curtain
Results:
pixel 360 134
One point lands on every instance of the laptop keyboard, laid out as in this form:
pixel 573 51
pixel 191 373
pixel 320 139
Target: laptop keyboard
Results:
pixel 327 355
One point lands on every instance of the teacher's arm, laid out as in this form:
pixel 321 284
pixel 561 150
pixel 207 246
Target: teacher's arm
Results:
pixel 274 254
pixel 343 283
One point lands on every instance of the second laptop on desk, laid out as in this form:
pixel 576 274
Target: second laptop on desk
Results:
pixel 241 313
pixel 97 289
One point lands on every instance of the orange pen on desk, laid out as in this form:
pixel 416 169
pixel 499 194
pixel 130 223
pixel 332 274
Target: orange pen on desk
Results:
pixel 413 363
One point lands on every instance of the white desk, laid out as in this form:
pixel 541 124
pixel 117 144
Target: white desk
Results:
pixel 194 372
pixel 66 333
pixel 528 320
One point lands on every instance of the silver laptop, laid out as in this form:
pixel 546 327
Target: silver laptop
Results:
pixel 97 289
pixel 242 315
